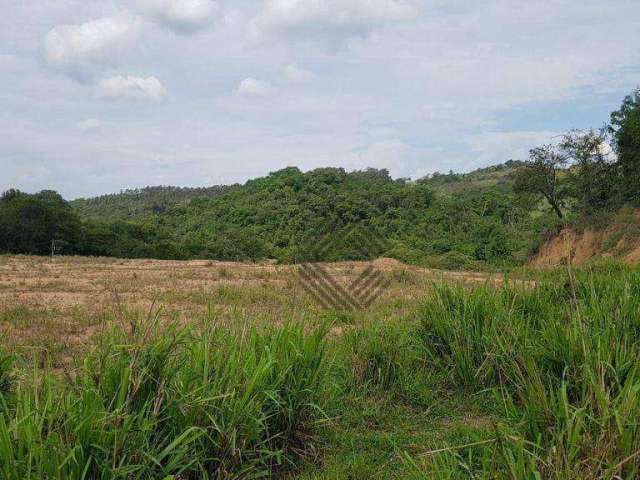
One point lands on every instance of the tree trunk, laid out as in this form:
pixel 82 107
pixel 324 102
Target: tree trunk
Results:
pixel 556 209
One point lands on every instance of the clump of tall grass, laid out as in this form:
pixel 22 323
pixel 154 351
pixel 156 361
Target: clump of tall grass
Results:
pixel 386 358
pixel 160 402
pixel 564 358
pixel 6 377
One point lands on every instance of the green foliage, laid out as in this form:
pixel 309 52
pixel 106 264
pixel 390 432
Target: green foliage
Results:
pixel 287 214
pixel 594 176
pixel 127 240
pixel 580 170
pixel 540 177
pixel 140 204
pixel 625 128
pixel 158 403
pixel 30 223
pixel 563 359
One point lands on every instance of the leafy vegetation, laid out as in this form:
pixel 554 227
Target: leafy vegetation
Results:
pixel 597 170
pixel 32 223
pixel 493 217
pixel 285 215
pixel 158 403
pixel 141 203
pixel 625 130
pixel 524 380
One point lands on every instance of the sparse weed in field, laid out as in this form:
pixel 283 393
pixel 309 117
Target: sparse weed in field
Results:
pixel 405 277
pixel 339 317
pixel 19 316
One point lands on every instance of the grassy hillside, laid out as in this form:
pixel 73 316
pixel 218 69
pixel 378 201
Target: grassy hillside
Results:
pixel 141 203
pixel 499 177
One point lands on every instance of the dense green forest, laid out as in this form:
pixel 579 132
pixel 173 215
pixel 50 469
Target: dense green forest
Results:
pixel 495 216
pixel 285 214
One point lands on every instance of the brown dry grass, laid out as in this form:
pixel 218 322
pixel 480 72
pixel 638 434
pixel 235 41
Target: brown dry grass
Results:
pixel 53 307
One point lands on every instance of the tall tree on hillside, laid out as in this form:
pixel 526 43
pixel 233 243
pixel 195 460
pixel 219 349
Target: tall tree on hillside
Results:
pixel 593 173
pixel 625 129
pixel 540 176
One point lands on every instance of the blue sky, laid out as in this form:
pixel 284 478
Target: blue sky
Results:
pixel 96 96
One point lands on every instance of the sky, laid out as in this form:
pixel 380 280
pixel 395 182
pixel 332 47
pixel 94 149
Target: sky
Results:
pixel 98 96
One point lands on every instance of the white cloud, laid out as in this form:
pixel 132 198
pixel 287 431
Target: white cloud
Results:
pixel 181 16
pixel 132 88
pixel 12 63
pixel 90 124
pixel 498 147
pixel 320 17
pixel 394 155
pixel 458 87
pixel 293 73
pixel 252 87
pixel 73 47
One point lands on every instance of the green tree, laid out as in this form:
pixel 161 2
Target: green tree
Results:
pixel 593 172
pixel 625 129
pixel 540 176
pixel 30 223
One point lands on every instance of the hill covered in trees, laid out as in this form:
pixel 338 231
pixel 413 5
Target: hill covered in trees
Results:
pixel 495 216
pixel 285 214
pixel 141 203
pixel 450 221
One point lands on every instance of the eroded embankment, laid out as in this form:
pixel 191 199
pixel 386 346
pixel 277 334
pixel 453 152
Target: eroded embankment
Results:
pixel 620 239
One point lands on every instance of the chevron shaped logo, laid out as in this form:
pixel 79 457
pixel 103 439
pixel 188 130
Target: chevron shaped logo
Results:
pixel 324 288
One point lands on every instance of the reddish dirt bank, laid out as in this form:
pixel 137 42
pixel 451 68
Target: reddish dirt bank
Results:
pixel 620 239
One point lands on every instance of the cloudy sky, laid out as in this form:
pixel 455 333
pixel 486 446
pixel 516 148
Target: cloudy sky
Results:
pixel 99 95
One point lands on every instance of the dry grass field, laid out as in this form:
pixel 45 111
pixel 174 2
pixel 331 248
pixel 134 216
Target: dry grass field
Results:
pixel 54 311
pixel 122 369
pixel 51 308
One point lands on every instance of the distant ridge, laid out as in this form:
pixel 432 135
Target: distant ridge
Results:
pixel 140 203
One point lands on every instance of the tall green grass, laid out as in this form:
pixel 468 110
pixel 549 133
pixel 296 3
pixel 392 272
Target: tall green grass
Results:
pixel 6 376
pixel 170 403
pixel 559 360
pixel 563 359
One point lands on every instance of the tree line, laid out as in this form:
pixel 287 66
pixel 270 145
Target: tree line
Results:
pixel 493 216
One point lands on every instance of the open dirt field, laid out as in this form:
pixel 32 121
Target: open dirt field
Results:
pixel 53 307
